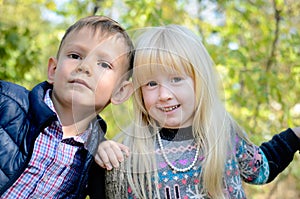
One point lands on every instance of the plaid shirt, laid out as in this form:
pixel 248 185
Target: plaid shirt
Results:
pixel 55 165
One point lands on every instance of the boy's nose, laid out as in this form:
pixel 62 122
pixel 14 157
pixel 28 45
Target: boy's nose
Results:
pixel 83 68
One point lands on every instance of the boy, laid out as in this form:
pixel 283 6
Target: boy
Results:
pixel 50 134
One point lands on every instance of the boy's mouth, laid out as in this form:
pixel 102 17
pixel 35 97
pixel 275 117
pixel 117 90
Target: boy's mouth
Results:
pixel 80 81
pixel 168 109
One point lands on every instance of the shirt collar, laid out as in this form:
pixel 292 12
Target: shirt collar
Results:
pixel 82 137
pixel 177 134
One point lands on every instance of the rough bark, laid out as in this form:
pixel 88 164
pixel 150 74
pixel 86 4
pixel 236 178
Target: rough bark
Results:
pixel 116 185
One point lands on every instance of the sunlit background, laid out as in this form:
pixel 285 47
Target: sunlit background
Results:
pixel 255 45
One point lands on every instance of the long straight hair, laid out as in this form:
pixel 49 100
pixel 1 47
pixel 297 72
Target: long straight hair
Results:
pixel 176 48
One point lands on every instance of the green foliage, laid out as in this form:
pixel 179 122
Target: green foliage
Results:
pixel 255 45
pixel 23 44
pixel 18 53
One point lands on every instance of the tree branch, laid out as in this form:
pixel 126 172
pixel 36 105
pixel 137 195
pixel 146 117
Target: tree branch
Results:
pixel 276 36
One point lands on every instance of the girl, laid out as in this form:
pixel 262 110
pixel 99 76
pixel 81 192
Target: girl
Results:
pixel 184 144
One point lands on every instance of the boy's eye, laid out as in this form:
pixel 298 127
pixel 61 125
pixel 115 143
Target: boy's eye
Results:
pixel 151 84
pixel 104 64
pixel 74 56
pixel 176 79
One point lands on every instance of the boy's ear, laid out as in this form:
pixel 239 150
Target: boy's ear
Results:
pixel 122 93
pixel 52 64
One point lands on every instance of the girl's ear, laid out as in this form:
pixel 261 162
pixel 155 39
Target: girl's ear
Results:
pixel 123 93
pixel 52 64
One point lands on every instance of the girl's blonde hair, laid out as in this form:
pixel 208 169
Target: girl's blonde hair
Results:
pixel 177 48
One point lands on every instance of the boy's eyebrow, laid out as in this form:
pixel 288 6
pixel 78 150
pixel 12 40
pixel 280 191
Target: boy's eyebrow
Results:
pixel 106 56
pixel 79 46
pixel 74 45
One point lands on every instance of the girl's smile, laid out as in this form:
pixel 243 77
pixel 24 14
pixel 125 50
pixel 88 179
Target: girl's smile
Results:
pixel 169 109
pixel 169 98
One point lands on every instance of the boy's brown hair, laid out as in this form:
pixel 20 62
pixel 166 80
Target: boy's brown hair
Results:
pixel 105 25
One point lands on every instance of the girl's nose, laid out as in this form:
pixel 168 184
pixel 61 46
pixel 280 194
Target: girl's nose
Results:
pixel 164 93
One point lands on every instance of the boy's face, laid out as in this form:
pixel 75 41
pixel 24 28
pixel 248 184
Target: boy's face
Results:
pixel 88 70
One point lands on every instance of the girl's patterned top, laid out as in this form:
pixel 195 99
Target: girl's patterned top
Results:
pixel 246 162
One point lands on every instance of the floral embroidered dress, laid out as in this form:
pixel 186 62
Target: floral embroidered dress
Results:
pixel 245 163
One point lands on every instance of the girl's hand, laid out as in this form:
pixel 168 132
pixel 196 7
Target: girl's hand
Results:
pixel 296 131
pixel 110 154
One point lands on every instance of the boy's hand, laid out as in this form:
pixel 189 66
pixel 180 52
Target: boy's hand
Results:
pixel 110 154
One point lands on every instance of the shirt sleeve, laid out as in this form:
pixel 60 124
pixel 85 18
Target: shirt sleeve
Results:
pixel 253 164
pixel 280 151
pixel 96 182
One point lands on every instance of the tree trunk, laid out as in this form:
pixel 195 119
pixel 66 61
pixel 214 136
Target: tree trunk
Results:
pixel 115 184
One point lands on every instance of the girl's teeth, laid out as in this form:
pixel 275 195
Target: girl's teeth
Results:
pixel 169 108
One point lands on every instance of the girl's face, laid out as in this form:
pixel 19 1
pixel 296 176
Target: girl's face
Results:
pixel 169 98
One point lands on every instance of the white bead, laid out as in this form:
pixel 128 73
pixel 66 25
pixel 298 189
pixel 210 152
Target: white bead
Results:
pixel 170 164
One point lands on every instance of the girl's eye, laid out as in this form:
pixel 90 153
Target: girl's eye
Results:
pixel 176 79
pixel 104 64
pixel 151 84
pixel 74 56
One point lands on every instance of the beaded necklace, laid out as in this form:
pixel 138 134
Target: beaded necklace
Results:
pixel 168 161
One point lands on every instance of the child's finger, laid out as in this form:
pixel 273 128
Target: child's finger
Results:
pixel 110 154
pixel 99 161
pixel 113 156
pixel 102 159
pixel 124 148
pixel 118 152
